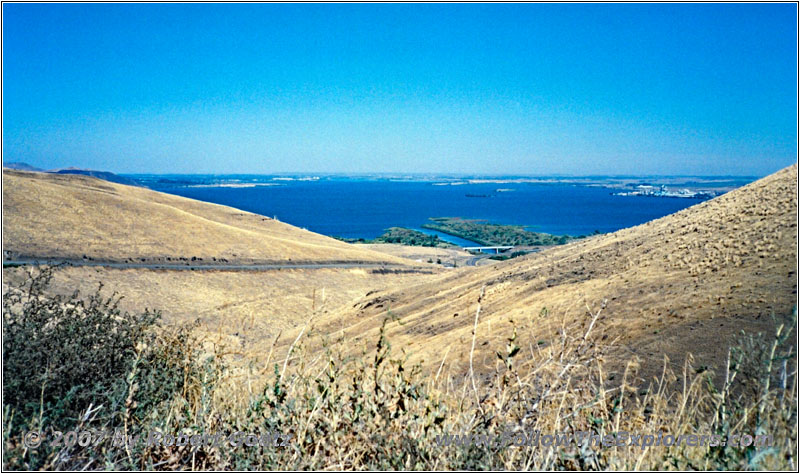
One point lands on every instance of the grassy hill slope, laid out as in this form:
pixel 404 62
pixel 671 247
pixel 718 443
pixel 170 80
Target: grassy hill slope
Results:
pixel 73 216
pixel 688 282
pixel 684 283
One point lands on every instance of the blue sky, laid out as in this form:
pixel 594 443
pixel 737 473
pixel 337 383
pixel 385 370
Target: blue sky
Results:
pixel 479 89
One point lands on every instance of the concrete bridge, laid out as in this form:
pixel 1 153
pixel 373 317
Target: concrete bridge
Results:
pixel 497 249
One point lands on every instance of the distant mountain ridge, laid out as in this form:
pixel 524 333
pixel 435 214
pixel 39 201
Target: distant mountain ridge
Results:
pixel 104 175
pixel 18 165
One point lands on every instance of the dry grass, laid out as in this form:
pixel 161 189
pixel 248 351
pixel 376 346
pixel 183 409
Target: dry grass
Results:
pixel 376 411
pixel 572 339
pixel 245 309
pixel 71 216
pixel 422 254
pixel 669 286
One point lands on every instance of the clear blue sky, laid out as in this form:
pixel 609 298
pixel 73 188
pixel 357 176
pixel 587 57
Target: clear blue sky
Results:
pixel 478 89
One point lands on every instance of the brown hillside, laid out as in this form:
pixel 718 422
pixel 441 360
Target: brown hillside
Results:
pixel 72 216
pixel 688 282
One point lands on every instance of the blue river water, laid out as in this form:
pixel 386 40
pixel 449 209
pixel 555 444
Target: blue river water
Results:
pixel 358 208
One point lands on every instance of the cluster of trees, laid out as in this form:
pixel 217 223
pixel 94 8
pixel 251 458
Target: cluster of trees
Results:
pixel 494 234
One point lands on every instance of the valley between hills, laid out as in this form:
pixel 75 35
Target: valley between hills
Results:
pixel 665 288
pixel 362 352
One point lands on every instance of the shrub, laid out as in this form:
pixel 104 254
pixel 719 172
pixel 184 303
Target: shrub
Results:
pixel 371 411
pixel 62 353
pixel 70 362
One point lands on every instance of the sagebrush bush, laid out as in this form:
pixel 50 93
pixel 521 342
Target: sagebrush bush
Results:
pixel 61 353
pixel 69 360
pixel 372 411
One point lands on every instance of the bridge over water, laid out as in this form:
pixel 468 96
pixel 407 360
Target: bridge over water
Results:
pixel 495 249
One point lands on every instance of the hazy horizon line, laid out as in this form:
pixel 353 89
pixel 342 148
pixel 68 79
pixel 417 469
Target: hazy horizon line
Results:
pixel 397 173
pixel 440 175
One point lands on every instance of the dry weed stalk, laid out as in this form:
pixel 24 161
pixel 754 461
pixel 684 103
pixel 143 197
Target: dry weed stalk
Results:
pixel 375 411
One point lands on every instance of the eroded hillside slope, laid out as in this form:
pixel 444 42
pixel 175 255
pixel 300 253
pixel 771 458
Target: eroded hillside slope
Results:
pixel 688 282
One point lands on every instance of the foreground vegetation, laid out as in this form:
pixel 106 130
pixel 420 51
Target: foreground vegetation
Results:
pixel 493 234
pixel 73 363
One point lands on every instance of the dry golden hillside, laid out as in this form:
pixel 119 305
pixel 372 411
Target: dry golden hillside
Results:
pixel 688 282
pixel 72 216
pixel 77 217
pixel 244 308
pixel 684 283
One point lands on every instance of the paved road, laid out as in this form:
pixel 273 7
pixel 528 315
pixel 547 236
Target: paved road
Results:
pixel 473 261
pixel 232 267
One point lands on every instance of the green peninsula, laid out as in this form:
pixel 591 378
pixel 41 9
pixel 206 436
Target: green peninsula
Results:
pixel 488 234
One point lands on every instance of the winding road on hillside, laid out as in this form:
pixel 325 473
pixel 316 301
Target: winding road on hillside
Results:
pixel 389 267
